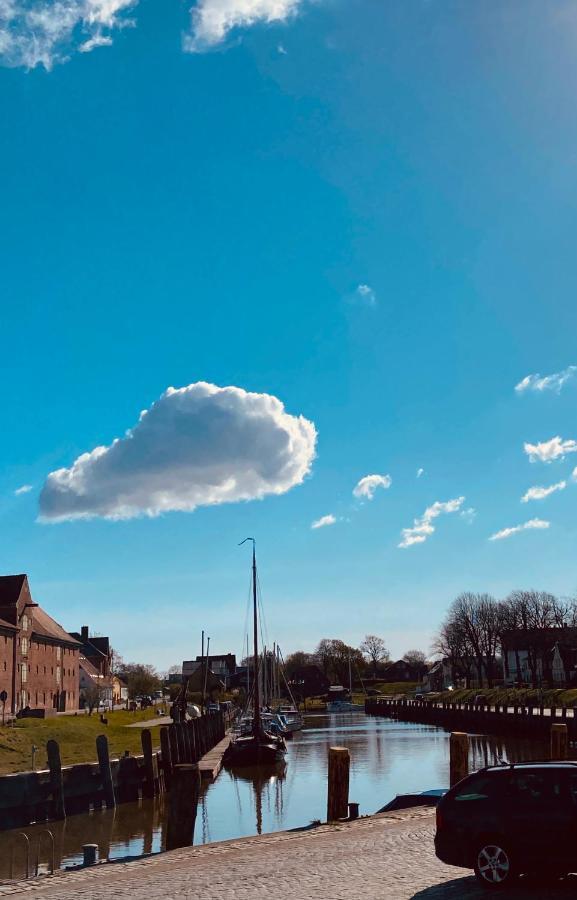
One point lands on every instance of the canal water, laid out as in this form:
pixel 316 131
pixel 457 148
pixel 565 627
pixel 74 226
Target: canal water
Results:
pixel 387 758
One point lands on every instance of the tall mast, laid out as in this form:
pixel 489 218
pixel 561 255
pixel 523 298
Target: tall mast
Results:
pixel 256 720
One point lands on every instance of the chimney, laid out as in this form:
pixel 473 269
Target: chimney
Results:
pixel 84 634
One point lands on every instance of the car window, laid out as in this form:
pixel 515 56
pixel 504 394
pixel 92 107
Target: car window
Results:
pixel 480 787
pixel 537 789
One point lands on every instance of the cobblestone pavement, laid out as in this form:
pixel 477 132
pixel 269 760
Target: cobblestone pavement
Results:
pixel 387 857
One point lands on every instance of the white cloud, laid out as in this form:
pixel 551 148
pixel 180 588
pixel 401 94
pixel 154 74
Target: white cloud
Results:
pixel 574 474
pixel 548 451
pixel 281 50
pixel 196 446
pixel 420 472
pixel 368 485
pixel 324 521
pixel 422 527
pixel 527 526
pixel 539 493
pixel 469 515
pixel 365 295
pixel 43 32
pixel 25 489
pixel 546 383
pixel 212 20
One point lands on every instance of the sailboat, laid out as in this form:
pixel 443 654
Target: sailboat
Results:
pixel 258 747
pixel 338 705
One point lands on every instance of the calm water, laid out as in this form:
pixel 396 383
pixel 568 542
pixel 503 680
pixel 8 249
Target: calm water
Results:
pixel 387 758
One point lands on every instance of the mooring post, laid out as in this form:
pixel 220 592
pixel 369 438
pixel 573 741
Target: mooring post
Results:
pixel 166 756
pixel 174 748
pixel 105 770
pixel 56 779
pixel 559 741
pixel 148 788
pixel 338 783
pixel 89 854
pixel 182 804
pixel 459 757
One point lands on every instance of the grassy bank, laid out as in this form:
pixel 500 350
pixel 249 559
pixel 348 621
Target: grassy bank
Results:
pixel 512 696
pixel 76 736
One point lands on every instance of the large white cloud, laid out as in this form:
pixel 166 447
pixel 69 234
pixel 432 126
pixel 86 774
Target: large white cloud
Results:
pixel 423 527
pixel 366 487
pixel 515 529
pixel 547 451
pixel 212 20
pixel 538 383
pixel 42 32
pixel 196 446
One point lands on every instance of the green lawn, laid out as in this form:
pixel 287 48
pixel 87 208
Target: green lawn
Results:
pixel 511 696
pixel 76 736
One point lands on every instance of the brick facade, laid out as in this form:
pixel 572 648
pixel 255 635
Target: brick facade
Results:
pixel 38 659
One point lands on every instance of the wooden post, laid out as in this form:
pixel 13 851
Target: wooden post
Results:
pixel 559 741
pixel 105 770
pixel 459 756
pixel 174 749
pixel 186 741
pixel 338 786
pixel 148 788
pixel 183 801
pixel 56 780
pixel 166 755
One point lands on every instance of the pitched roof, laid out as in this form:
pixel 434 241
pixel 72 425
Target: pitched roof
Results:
pixel 5 624
pixel 10 588
pixel 45 626
pixel 90 670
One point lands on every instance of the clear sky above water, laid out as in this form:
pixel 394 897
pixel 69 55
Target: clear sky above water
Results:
pixel 366 209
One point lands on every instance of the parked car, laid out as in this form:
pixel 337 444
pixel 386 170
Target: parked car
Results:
pixel 511 820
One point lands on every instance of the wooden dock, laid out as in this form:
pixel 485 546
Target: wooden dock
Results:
pixel 211 763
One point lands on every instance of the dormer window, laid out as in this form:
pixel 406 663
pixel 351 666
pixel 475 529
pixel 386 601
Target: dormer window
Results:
pixel 24 622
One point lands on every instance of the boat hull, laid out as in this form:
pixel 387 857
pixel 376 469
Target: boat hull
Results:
pixel 251 751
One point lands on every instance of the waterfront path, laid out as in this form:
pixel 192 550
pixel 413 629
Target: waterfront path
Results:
pixel 386 857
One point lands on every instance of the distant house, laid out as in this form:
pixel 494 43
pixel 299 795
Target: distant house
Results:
pixel 308 681
pixel 96 650
pixel 94 686
pixel 439 676
pixel 223 666
pixel 540 656
pixel 119 690
pixel 38 658
pixel 399 671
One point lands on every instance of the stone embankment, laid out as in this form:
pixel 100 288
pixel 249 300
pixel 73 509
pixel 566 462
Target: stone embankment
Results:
pixel 384 857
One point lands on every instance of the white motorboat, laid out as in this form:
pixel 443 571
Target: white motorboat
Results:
pixel 341 706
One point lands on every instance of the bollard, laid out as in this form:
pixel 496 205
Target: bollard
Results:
pixel 89 854
pixel 56 780
pixel 459 757
pixel 105 770
pixel 559 741
pixel 338 783
pixel 183 801
pixel 353 811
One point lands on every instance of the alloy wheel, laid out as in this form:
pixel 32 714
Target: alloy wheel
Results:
pixel 493 865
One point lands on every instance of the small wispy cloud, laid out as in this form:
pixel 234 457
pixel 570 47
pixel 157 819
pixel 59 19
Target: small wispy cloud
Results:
pixel 574 474
pixel 538 383
pixel 24 489
pixel 539 493
pixel 547 451
pixel 324 521
pixel 366 487
pixel 365 295
pixel 281 50
pixel 420 472
pixel 422 527
pixel 526 526
pixel 469 515
pixel 213 20
pixel 44 32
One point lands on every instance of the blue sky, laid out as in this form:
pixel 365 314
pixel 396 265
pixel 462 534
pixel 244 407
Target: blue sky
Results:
pixel 187 203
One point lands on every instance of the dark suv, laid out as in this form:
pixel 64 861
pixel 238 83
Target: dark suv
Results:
pixel 509 820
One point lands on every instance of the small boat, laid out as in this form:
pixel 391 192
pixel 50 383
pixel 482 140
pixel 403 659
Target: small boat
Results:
pixel 406 801
pixel 292 718
pixel 342 706
pixel 257 746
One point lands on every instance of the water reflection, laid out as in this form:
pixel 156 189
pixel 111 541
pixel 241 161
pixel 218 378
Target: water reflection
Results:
pixel 387 758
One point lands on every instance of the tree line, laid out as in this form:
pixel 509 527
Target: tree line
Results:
pixel 479 628
pixel 334 657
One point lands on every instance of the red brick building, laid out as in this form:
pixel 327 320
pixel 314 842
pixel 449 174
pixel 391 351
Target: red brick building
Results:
pixel 38 659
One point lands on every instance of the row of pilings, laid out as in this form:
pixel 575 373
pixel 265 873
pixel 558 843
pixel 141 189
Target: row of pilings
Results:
pixel 497 718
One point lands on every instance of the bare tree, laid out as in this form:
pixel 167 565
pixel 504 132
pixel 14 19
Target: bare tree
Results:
pixel 374 649
pixel 417 660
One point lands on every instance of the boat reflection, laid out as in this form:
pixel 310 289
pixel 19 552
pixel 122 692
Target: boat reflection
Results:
pixel 267 783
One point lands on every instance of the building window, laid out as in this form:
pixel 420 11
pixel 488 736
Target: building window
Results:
pixel 24 696
pixel 58 653
pixel 45 670
pixel 24 646
pixel 24 672
pixel 58 674
pixel 24 622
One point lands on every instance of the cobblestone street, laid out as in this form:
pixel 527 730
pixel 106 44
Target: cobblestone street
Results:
pixel 385 857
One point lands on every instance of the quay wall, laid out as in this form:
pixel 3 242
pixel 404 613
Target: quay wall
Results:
pixel 497 719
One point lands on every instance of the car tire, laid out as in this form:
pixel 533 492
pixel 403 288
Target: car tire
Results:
pixel 494 867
